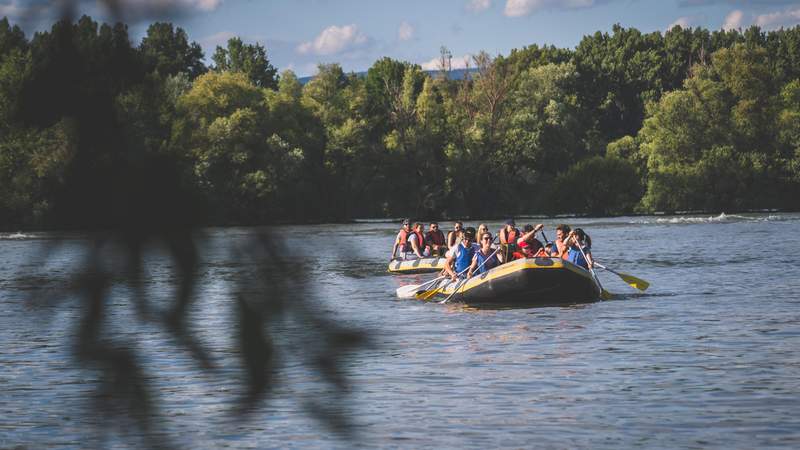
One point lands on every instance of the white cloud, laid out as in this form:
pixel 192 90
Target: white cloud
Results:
pixel 479 5
pixel 519 8
pixel 11 10
pixel 733 20
pixel 788 17
pixel 206 5
pixel 216 39
pixel 166 5
pixel 15 9
pixel 460 62
pixel 683 22
pixel 405 32
pixel 333 40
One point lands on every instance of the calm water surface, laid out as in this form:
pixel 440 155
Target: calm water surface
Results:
pixel 708 357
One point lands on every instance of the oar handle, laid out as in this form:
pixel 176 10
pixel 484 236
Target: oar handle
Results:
pixel 458 286
pixel 594 275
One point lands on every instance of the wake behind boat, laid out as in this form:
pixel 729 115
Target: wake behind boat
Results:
pixel 526 281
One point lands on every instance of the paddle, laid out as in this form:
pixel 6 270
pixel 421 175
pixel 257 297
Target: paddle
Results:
pixel 433 292
pixel 411 290
pixel 633 281
pixel 465 280
pixel 604 294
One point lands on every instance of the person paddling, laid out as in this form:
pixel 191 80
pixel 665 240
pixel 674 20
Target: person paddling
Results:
pixel 485 258
pixel 529 246
pixel 460 257
pixel 580 244
pixel 559 247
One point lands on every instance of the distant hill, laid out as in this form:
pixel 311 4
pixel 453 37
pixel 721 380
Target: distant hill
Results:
pixel 455 74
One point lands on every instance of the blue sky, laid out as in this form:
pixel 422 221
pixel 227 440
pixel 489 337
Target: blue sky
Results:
pixel 299 34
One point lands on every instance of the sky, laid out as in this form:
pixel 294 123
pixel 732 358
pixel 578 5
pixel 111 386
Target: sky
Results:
pixel 300 34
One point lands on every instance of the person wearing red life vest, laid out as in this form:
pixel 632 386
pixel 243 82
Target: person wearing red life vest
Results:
pixel 527 244
pixel 435 240
pixel 417 240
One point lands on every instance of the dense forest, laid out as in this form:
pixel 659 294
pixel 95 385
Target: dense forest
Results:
pixel 95 131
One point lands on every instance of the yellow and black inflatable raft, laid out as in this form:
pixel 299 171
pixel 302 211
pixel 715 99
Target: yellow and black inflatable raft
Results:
pixel 411 266
pixel 529 281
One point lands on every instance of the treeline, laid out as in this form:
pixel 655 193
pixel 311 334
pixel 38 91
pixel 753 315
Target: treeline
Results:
pixel 95 130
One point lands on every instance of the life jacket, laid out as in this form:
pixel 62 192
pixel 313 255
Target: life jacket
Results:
pixel 542 253
pixel 491 261
pixel 575 256
pixel 530 249
pixel 404 246
pixel 435 238
pixel 464 257
pixel 420 240
pixel 511 236
pixel 556 249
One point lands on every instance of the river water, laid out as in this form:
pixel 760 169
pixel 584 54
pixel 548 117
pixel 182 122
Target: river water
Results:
pixel 707 357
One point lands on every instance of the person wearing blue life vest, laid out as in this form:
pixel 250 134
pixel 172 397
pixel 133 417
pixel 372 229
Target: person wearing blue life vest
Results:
pixel 579 244
pixel 460 257
pixel 485 257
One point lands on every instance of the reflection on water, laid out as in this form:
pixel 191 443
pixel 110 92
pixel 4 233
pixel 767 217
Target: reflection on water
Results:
pixel 708 357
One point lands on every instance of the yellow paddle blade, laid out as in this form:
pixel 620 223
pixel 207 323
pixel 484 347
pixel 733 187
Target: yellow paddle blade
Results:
pixel 637 283
pixel 605 295
pixel 427 294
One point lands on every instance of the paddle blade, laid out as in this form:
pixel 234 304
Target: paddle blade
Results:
pixel 409 291
pixel 428 294
pixel 637 283
pixel 605 295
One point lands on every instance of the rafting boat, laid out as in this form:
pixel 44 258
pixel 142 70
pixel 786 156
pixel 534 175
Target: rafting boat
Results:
pixel 529 281
pixel 420 265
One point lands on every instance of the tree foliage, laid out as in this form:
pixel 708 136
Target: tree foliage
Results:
pixel 627 121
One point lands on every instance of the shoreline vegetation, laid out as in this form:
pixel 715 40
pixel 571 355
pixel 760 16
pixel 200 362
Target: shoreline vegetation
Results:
pixel 713 215
pixel 99 133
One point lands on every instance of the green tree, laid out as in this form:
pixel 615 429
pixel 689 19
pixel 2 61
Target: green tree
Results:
pixel 712 145
pixel 166 50
pixel 249 59
pixel 598 186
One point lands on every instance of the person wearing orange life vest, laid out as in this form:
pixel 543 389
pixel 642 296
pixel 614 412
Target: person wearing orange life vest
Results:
pixel 402 246
pixel 560 248
pixel 435 240
pixel 509 234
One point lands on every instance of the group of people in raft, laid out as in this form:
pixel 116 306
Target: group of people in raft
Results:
pixel 466 257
